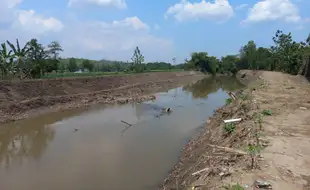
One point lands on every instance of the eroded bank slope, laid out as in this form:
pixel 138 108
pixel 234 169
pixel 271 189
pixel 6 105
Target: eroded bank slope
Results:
pixel 22 99
pixel 270 144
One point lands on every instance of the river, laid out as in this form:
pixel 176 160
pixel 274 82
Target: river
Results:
pixel 93 149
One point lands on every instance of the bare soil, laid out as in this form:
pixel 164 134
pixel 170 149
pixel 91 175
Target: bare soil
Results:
pixel 216 159
pixel 23 99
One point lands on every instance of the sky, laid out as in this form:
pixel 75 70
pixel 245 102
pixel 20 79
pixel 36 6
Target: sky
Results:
pixel 162 29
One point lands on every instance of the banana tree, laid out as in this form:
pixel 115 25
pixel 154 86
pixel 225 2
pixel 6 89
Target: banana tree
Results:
pixel 5 60
pixel 20 54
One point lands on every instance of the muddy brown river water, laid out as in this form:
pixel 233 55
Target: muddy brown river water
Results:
pixel 92 149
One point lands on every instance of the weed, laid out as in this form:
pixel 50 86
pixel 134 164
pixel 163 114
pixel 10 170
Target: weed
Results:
pixel 267 112
pixel 229 127
pixel 259 120
pixel 234 187
pixel 253 150
pixel 244 96
pixel 229 101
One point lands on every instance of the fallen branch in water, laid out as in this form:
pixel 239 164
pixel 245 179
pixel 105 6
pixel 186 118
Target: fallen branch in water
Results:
pixel 126 123
pixel 231 150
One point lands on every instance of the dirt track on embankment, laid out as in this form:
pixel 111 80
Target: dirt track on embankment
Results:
pixel 23 99
pixel 275 112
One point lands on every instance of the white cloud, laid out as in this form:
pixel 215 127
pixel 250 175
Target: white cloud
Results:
pixel 7 9
pixel 31 22
pixel 89 39
pixel 121 4
pixel 130 22
pixel 185 10
pixel 271 10
pixel 114 40
pixel 241 7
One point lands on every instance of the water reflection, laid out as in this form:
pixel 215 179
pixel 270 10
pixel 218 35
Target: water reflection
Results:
pixel 28 138
pixel 204 87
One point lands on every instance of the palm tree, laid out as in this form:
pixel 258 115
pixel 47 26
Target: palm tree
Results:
pixel 5 60
pixel 54 48
pixel 20 55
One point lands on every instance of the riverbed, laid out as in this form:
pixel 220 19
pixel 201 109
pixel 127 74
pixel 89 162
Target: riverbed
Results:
pixel 94 148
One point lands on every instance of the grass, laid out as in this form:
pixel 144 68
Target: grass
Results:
pixel 229 127
pixel 244 96
pixel 95 74
pixel 253 151
pixel 267 112
pixel 234 187
pixel 229 101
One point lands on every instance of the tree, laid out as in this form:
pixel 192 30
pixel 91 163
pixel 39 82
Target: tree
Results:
pixel 20 55
pixel 5 60
pixel 205 63
pixel 138 60
pixel 248 54
pixel 72 66
pixel 264 60
pixel 87 64
pixel 228 64
pixel 287 53
pixel 38 65
pixel 54 49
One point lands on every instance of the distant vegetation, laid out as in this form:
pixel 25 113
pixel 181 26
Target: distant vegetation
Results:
pixel 285 55
pixel 33 60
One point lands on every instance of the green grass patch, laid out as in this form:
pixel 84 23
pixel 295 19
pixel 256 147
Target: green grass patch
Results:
pixel 234 187
pixel 253 149
pixel 229 101
pixel 229 127
pixel 267 112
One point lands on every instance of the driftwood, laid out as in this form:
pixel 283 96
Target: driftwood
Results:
pixel 232 120
pixel 124 130
pixel 226 149
pixel 203 170
pixel 232 95
pixel 126 123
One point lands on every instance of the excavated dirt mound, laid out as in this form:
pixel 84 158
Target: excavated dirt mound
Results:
pixel 21 99
pixel 268 147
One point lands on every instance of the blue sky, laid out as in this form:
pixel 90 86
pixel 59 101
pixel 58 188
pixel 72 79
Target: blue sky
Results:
pixel 163 29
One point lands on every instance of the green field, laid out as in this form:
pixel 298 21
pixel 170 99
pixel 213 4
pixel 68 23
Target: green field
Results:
pixel 94 74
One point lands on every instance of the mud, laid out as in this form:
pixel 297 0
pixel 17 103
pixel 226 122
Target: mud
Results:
pixel 23 99
pixel 215 159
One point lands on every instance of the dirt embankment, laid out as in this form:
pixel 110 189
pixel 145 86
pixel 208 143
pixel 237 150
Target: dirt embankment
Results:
pixel 22 99
pixel 270 144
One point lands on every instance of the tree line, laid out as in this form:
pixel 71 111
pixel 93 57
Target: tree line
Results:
pixel 285 55
pixel 29 61
pixel 136 64
pixel 34 60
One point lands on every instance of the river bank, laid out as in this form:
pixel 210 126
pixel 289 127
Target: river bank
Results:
pixel 269 144
pixel 118 146
pixel 24 99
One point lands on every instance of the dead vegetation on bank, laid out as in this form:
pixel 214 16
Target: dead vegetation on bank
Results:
pixel 223 147
pixel 218 158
